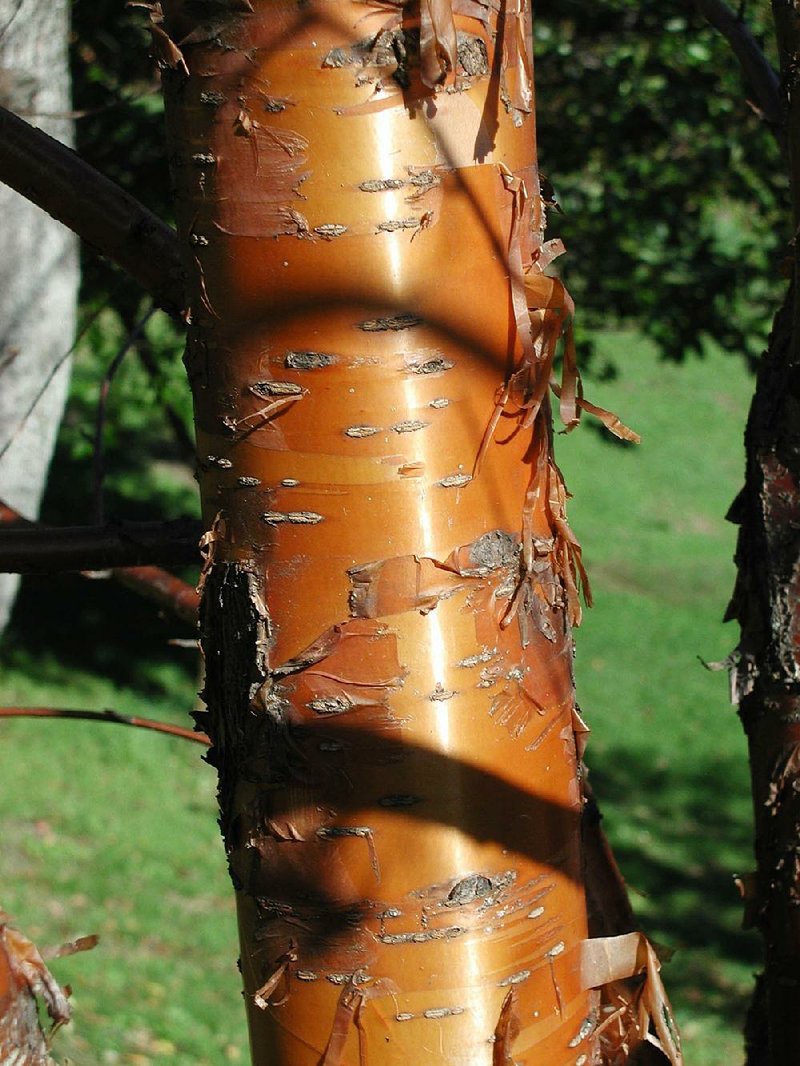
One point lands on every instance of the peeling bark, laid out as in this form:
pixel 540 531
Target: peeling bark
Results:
pixel 390 582
pixel 25 981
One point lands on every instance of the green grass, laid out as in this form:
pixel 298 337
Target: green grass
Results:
pixel 667 752
pixel 113 831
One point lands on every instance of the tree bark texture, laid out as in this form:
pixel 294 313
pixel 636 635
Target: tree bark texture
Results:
pixel 767 683
pixel 386 620
pixel 38 266
pixel 766 603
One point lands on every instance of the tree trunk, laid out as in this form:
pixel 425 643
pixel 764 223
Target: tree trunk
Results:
pixel 386 619
pixel 766 602
pixel 38 267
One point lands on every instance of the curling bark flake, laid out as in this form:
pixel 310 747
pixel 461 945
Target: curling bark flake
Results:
pixel 389 580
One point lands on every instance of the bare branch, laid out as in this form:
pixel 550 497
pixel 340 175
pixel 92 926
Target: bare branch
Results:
pixel 163 588
pixel 56 179
pixel 51 549
pixel 758 71
pixel 116 717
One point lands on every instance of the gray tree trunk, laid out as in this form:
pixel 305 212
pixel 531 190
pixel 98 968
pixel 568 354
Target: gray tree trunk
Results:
pixel 38 265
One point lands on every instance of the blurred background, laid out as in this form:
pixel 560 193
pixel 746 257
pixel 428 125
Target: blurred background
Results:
pixel 673 206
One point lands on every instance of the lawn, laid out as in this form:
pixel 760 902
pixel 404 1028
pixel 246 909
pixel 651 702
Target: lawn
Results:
pixel 110 830
pixel 667 753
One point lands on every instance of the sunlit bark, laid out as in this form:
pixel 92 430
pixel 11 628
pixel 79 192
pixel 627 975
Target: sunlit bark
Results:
pixel 390 582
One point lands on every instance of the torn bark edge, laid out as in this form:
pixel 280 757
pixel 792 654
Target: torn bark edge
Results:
pixel 24 979
pixel 359 989
pixel 243 712
pixel 606 960
pixel 506 1031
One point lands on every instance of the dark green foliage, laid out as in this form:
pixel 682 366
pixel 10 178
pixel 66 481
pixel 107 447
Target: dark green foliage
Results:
pixel 148 465
pixel 674 197
pixel 119 129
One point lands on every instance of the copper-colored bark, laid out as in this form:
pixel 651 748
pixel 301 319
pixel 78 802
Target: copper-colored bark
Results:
pixel 390 581
pixel 164 589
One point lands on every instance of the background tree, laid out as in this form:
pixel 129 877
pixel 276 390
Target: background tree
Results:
pixel 38 266
pixel 670 179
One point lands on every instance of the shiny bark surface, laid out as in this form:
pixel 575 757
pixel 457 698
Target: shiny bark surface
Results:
pixel 389 580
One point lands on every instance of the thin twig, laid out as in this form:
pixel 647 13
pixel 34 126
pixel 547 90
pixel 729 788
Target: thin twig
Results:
pixel 89 112
pixel 108 715
pixel 99 465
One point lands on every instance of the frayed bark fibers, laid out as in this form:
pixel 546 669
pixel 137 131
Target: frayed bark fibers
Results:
pixel 390 580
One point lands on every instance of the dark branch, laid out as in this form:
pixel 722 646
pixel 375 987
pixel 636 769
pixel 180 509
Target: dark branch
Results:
pixel 106 716
pixel 51 549
pixel 56 179
pixel 758 71
pixel 152 582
